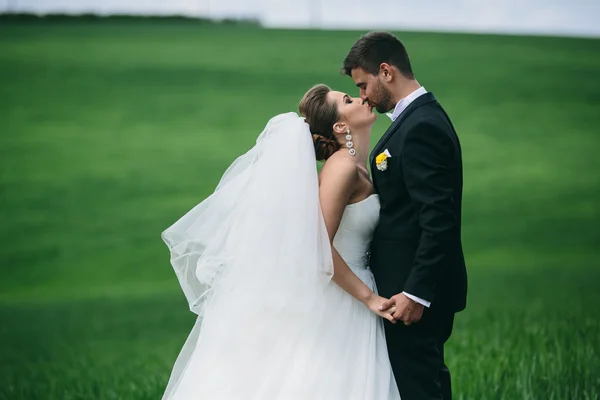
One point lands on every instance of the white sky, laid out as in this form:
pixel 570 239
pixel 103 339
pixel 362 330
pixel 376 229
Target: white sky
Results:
pixel 557 17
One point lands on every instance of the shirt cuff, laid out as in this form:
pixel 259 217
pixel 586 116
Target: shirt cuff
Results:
pixel 418 299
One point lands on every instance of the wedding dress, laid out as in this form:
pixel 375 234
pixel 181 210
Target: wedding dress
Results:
pixel 255 263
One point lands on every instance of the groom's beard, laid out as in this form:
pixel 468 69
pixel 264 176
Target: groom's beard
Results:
pixel 384 102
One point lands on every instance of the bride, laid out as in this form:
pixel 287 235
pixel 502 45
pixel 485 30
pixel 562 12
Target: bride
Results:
pixel 275 264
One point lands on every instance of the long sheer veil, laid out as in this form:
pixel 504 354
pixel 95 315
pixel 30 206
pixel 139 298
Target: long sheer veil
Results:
pixel 259 238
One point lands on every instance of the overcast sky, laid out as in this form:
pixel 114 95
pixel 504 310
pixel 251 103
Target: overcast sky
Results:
pixel 563 17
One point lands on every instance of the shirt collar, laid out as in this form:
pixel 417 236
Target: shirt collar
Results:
pixel 405 102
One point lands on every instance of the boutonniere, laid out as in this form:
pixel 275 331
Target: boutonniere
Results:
pixel 381 160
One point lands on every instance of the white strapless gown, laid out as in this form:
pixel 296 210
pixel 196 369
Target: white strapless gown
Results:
pixel 253 354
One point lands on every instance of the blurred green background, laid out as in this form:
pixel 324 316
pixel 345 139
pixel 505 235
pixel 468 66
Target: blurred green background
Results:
pixel 109 132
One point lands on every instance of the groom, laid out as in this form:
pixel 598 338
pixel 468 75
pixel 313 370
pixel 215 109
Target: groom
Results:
pixel 416 253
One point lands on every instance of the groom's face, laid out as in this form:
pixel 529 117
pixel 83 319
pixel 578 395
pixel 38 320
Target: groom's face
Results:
pixel 373 90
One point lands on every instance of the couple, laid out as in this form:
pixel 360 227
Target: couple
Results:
pixel 328 285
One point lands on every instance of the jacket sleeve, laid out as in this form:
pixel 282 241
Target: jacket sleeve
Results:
pixel 427 158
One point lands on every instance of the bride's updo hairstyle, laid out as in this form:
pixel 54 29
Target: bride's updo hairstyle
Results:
pixel 320 114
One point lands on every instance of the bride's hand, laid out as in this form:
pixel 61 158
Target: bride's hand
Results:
pixel 374 304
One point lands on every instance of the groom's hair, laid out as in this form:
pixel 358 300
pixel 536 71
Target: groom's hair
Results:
pixel 375 48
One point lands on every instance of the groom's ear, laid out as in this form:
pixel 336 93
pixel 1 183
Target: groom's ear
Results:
pixel 386 72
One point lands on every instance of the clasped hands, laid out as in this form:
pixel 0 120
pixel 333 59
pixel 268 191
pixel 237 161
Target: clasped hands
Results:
pixel 397 308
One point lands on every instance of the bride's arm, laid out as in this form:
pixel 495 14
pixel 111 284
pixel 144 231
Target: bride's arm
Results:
pixel 339 177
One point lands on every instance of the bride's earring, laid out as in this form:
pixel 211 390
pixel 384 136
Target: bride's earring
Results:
pixel 349 143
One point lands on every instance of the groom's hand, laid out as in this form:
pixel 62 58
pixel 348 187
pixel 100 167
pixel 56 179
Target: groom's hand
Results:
pixel 407 310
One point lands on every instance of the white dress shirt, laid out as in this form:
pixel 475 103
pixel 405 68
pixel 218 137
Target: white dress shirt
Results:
pixel 400 107
pixel 403 103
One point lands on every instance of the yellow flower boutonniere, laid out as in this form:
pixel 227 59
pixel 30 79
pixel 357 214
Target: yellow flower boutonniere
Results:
pixel 381 160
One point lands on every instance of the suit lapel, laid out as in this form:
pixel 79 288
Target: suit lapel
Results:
pixel 419 101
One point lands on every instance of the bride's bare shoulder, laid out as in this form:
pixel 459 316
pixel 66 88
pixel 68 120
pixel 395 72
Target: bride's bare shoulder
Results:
pixel 339 166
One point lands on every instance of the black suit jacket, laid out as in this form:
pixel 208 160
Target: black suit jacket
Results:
pixel 417 245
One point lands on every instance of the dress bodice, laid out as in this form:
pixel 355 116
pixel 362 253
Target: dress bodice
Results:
pixel 353 238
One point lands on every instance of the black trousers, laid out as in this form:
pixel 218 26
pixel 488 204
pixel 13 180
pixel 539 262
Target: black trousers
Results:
pixel 417 355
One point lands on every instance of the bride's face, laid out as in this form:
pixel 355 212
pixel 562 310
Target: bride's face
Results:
pixel 353 111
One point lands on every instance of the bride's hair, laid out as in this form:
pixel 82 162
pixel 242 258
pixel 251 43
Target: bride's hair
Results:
pixel 320 114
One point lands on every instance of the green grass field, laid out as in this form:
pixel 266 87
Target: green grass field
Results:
pixel 110 132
